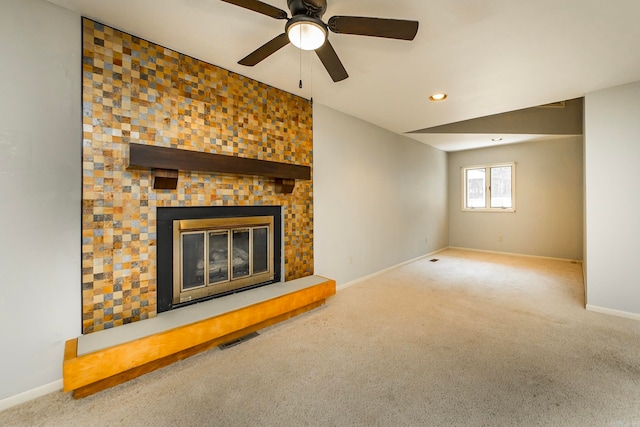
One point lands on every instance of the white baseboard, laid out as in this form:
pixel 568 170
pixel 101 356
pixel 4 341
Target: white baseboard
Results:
pixel 612 312
pixel 30 394
pixel 377 273
pixel 577 261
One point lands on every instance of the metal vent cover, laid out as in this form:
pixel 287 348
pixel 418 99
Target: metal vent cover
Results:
pixel 238 341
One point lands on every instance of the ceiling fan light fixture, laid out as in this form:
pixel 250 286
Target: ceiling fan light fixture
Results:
pixel 306 32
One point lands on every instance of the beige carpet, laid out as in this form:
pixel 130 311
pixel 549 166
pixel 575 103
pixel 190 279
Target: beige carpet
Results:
pixel 471 340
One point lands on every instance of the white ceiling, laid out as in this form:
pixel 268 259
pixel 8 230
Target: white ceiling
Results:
pixel 490 56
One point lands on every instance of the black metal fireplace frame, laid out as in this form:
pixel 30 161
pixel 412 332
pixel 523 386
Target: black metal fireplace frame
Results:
pixel 164 251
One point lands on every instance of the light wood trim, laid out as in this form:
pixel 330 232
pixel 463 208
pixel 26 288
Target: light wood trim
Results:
pixel 91 368
pixel 70 349
pixel 166 361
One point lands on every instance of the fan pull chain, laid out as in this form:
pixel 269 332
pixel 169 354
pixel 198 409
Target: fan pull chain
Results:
pixel 300 52
pixel 311 96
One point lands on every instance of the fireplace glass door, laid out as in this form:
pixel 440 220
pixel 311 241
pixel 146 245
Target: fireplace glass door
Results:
pixel 221 255
pixel 218 256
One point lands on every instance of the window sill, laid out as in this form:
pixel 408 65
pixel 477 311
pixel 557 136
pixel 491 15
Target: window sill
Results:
pixel 497 210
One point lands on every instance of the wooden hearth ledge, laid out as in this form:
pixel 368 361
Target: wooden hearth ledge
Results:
pixel 106 358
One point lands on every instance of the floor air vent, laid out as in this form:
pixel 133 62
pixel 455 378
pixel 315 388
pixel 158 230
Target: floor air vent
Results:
pixel 238 341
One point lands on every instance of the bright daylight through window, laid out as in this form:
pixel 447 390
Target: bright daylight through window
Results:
pixel 489 188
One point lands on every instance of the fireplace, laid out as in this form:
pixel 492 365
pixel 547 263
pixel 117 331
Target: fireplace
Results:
pixel 209 252
pixel 216 255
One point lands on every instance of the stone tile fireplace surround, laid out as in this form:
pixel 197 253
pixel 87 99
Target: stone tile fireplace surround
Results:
pixel 135 91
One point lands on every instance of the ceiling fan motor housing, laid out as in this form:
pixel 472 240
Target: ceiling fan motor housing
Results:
pixel 315 8
pixel 304 18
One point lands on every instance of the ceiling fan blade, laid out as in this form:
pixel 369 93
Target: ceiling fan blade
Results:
pixel 270 47
pixel 375 27
pixel 260 7
pixel 331 62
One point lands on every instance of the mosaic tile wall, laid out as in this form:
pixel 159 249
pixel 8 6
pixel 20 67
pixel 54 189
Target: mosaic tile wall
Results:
pixel 136 91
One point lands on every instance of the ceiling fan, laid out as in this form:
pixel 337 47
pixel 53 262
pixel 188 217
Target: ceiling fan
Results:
pixel 306 30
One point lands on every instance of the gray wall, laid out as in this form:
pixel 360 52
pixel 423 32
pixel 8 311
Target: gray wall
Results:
pixel 40 186
pixel 612 151
pixel 377 196
pixel 549 200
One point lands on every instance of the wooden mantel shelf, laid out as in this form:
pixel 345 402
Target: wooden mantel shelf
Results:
pixel 168 161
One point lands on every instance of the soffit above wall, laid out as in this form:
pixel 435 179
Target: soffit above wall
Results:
pixel 560 118
pixel 550 121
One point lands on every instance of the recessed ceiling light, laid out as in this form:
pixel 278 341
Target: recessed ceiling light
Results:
pixel 438 97
pixel 496 139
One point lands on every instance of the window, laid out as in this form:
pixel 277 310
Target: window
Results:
pixel 489 188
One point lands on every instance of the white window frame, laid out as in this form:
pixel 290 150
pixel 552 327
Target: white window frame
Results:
pixel 487 169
